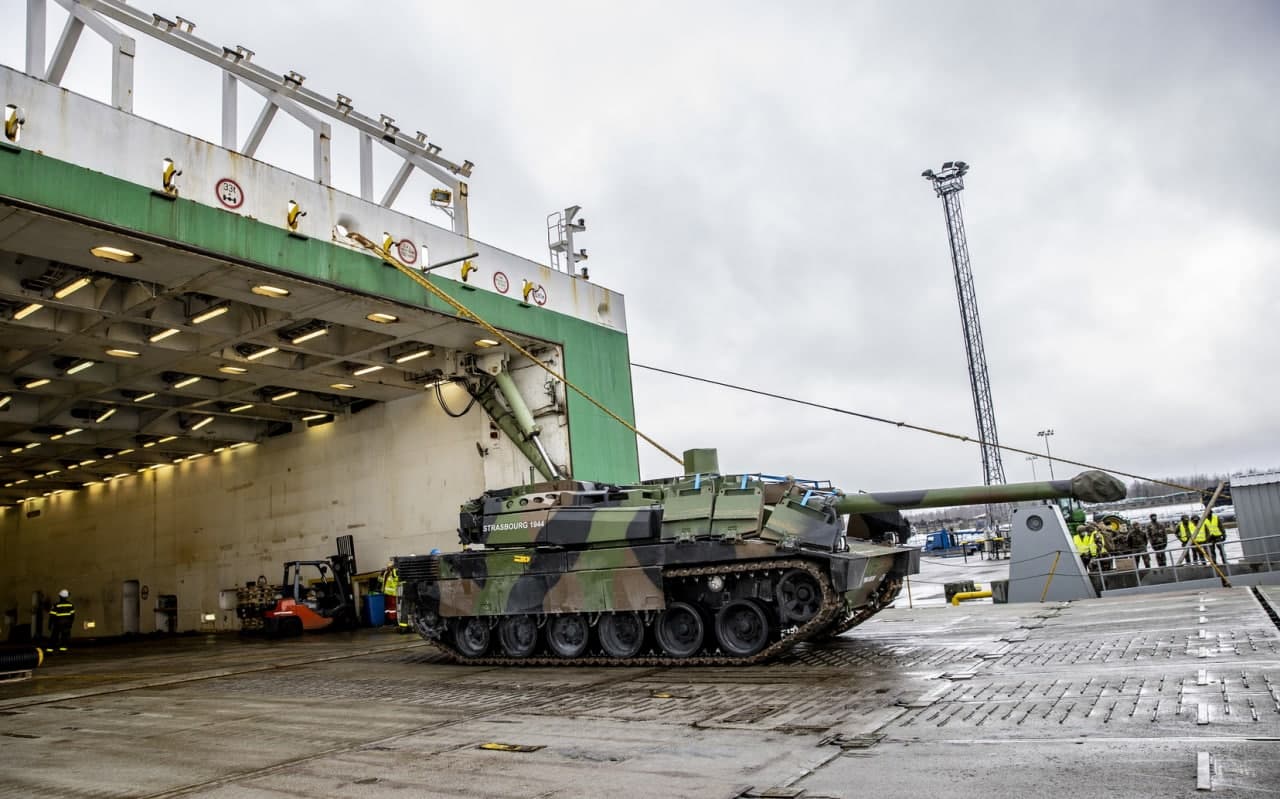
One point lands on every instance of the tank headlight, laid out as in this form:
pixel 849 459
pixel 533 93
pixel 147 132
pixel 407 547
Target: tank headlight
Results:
pixel 715 583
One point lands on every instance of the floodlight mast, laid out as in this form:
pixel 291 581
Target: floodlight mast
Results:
pixel 948 182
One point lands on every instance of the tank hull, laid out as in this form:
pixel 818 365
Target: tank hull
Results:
pixel 800 595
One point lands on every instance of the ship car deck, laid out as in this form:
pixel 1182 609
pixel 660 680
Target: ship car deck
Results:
pixel 1162 694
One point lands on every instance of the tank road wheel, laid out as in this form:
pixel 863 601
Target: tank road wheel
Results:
pixel 568 634
pixel 519 635
pixel 742 628
pixel 799 596
pixel 680 630
pixel 471 636
pixel 621 634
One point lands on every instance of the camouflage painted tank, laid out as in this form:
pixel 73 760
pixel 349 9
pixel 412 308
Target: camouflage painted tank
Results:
pixel 699 569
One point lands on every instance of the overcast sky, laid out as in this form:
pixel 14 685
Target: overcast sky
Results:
pixel 750 173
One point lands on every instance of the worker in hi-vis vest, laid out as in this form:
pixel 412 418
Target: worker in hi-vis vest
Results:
pixel 61 617
pixel 1190 554
pixel 1083 540
pixel 1216 536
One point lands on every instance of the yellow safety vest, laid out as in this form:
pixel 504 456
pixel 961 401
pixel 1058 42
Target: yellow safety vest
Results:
pixel 1083 542
pixel 1099 543
pixel 1203 534
pixel 1184 531
pixel 1212 527
pixel 391 582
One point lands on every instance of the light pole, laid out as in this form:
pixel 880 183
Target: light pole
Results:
pixel 1032 460
pixel 1045 435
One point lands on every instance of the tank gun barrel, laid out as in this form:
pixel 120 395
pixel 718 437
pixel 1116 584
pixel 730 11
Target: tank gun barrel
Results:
pixel 1090 486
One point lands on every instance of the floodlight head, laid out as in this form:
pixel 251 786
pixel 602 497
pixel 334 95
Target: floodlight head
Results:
pixel 571 212
pixel 948 164
pixel 927 174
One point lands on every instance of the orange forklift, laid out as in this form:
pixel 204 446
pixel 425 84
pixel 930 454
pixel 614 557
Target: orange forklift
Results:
pixel 314 595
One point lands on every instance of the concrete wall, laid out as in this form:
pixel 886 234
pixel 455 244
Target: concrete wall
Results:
pixel 393 476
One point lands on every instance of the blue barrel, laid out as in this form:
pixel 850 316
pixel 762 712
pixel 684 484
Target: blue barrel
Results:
pixel 375 609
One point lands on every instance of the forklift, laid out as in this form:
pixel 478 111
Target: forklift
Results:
pixel 313 595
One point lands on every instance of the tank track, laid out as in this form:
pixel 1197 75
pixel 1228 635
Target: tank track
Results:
pixel 814 628
pixel 852 617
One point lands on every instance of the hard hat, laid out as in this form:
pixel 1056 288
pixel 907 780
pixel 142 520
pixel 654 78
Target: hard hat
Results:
pixel 64 593
pixel 434 551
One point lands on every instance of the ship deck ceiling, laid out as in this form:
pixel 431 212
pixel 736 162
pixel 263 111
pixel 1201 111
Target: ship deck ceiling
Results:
pixel 126 304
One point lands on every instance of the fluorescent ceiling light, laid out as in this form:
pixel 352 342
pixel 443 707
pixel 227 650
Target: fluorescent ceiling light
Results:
pixel 187 381
pixel 37 383
pixel 486 342
pixel 243 407
pixel 163 334
pixel 166 439
pixel 32 445
pixel 365 370
pixel 144 397
pixel 5 400
pixel 413 356
pixel 262 353
pixel 74 430
pixel 148 445
pixel 119 353
pixel 27 310
pixel 214 312
pixel 125 451
pixel 342 386
pixel 308 336
pixel 315 416
pixel 80 367
pixel 240 444
pixel 270 291
pixel 88 462
pixel 283 396
pixel 206 420
pixel 107 414
pixel 116 254
pixel 382 318
pixel 72 287
pixel 55 437
pixel 232 370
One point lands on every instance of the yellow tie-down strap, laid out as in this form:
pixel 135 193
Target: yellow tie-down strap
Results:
pixel 467 313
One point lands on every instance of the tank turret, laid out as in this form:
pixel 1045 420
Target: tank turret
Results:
pixel 702 568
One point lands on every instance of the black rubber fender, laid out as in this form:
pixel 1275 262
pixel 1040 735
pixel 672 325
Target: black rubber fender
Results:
pixel 20 658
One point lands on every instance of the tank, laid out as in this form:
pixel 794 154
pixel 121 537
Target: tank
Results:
pixel 700 569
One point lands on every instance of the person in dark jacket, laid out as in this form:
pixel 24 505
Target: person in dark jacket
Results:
pixel 61 617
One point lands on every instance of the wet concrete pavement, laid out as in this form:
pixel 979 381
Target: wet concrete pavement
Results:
pixel 1135 697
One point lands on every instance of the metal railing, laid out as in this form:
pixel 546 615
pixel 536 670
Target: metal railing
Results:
pixel 1187 563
